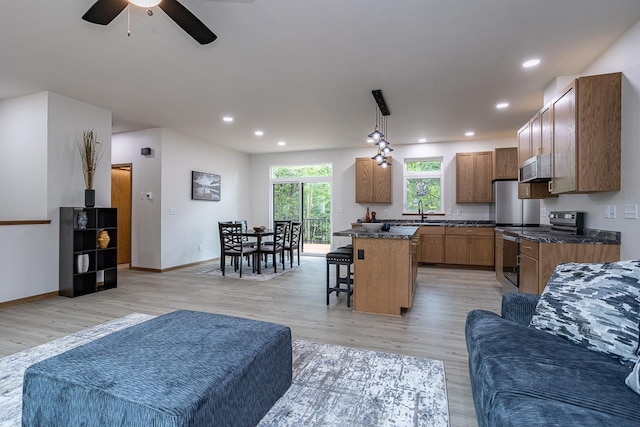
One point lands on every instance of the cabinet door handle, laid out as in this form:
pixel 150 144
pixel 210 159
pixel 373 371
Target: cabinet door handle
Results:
pixel 527 247
pixel 550 186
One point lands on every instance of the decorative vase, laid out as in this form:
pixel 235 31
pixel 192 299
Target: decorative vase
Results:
pixel 82 263
pixel 103 239
pixel 367 216
pixel 89 197
pixel 81 220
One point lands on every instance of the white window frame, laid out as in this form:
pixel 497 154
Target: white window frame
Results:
pixel 428 174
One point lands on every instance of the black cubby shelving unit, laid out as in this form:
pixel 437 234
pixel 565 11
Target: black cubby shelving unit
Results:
pixel 76 241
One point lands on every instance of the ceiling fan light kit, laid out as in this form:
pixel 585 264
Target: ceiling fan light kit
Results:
pixel 145 3
pixel 104 11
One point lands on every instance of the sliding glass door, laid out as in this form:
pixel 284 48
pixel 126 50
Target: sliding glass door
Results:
pixel 303 193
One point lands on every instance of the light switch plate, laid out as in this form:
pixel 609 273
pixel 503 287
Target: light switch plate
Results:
pixel 606 212
pixel 612 211
pixel 631 211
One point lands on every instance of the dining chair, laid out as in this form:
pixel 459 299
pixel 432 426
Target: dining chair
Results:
pixel 231 244
pixel 245 240
pixel 293 241
pixel 287 223
pixel 276 246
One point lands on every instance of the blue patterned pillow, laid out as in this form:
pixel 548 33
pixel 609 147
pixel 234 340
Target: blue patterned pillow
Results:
pixel 594 305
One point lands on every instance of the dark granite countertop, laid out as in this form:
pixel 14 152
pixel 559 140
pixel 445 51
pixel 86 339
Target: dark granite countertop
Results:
pixel 435 223
pixel 544 234
pixel 394 233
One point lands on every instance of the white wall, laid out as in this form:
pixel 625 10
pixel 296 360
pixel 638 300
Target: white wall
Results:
pixel 146 173
pixel 345 210
pixel 29 253
pixel 161 240
pixel 23 141
pixel 195 223
pixel 621 56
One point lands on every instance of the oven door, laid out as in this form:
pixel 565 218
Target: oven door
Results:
pixel 510 263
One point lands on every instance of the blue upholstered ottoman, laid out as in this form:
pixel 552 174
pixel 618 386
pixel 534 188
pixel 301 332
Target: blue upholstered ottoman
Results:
pixel 185 368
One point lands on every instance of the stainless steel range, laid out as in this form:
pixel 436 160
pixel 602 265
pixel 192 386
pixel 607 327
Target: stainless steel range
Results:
pixel 562 222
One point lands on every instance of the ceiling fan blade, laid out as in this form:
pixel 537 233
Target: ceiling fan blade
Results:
pixel 104 11
pixel 187 21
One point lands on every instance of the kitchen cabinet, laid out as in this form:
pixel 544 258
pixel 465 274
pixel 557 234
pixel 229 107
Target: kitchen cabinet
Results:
pixel 373 182
pixel 524 143
pixel 499 246
pixel 469 246
pixel 528 270
pixel 546 131
pixel 586 135
pixel 473 177
pixel 534 190
pixel 538 260
pixel 431 244
pixel 505 163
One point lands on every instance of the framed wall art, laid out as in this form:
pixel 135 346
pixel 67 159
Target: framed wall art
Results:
pixel 205 186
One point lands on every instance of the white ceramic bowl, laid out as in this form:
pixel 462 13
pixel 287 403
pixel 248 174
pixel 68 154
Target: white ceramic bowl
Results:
pixel 372 226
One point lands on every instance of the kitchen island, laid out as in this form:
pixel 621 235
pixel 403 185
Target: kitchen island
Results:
pixel 385 269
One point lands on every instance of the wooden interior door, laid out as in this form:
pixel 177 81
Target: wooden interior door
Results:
pixel 121 198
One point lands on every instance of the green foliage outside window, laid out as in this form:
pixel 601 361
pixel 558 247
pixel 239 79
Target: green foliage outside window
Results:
pixel 309 171
pixel 423 181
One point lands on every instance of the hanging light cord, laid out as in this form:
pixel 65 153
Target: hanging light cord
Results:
pixel 128 21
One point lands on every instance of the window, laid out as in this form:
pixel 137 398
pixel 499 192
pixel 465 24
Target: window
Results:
pixel 423 181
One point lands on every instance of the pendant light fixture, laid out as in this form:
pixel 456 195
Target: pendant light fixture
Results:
pixel 378 135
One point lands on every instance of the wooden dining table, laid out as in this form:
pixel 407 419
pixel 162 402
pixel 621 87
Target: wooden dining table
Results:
pixel 258 235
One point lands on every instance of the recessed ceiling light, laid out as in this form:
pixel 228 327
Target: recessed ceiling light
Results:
pixel 259 133
pixel 470 133
pixel 282 143
pixel 502 105
pixel 227 119
pixel 370 140
pixel 531 63
pixel 422 140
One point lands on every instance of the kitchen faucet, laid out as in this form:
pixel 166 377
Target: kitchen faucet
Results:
pixel 421 211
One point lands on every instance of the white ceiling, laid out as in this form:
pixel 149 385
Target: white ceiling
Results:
pixel 303 70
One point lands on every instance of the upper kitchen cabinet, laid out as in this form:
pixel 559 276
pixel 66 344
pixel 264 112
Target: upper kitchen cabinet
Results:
pixel 473 177
pixel 505 163
pixel 586 135
pixel 373 182
pixel 524 143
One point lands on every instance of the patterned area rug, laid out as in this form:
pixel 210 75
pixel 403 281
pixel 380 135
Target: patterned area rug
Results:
pixel 266 272
pixel 332 385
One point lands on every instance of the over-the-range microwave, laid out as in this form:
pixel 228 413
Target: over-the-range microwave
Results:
pixel 536 169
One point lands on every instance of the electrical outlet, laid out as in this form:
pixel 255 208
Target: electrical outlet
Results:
pixel 448 211
pixel 543 212
pixel 172 211
pixel 199 248
pixel 631 211
pixel 458 211
pixel 606 211
pixel 612 211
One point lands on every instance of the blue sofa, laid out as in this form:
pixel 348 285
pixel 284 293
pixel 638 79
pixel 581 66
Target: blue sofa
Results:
pixel 521 376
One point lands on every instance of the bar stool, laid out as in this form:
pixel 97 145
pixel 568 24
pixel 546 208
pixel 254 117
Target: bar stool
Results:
pixel 339 257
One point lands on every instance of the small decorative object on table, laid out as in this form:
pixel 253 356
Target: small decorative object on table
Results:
pixel 373 216
pixel 90 155
pixel 367 216
pixel 103 239
pixel 81 220
pixel 259 228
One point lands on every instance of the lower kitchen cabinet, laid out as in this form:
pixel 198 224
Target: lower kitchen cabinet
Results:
pixel 528 273
pixel 537 261
pixel 431 244
pixel 469 246
pixel 498 256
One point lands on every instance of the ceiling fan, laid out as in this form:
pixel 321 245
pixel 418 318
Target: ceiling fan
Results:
pixel 104 11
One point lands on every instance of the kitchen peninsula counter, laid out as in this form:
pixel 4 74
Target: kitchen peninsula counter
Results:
pixel 385 269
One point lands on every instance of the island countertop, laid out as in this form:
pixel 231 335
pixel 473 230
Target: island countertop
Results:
pixel 405 233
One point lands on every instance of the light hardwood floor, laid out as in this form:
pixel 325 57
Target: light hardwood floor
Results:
pixel 433 328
